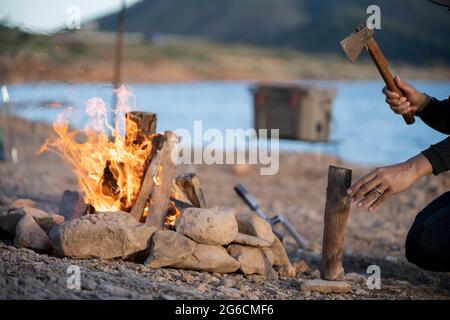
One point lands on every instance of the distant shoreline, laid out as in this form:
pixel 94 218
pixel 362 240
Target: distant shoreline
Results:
pixel 191 61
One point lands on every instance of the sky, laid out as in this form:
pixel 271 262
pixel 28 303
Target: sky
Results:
pixel 44 16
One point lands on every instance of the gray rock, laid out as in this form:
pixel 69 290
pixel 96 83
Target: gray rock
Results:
pixel 89 284
pixel 46 220
pixel 361 292
pixel 300 267
pixel 251 259
pixel 168 247
pixel 253 225
pixel 324 286
pixel 30 235
pixel 209 258
pixel 356 277
pixel 251 241
pixel 216 226
pixel 230 292
pixel 279 259
pixel 105 235
pixel 9 220
pixel 20 203
pixel 72 205
pixel 112 291
pixel 391 259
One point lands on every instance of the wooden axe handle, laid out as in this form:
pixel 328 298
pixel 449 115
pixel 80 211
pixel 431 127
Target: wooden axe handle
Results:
pixel 382 66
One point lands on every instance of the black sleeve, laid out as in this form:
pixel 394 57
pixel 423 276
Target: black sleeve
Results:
pixel 439 156
pixel 437 116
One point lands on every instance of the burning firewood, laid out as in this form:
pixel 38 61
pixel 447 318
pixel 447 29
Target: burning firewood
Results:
pixel 140 127
pixel 157 182
pixel 129 177
pixel 162 188
pixel 187 188
pixel 138 170
pixel 147 181
pixel 145 125
pixel 173 212
pixel 109 183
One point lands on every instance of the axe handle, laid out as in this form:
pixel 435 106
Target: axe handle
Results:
pixel 382 66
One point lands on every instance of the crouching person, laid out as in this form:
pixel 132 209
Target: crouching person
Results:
pixel 428 240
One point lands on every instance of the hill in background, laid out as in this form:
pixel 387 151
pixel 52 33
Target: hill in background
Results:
pixel 88 57
pixel 413 31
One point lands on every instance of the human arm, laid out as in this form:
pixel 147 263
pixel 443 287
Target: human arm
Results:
pixel 373 189
pixel 433 112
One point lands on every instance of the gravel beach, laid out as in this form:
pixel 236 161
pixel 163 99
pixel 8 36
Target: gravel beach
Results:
pixel 297 191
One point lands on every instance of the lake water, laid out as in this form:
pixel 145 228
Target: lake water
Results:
pixel 363 129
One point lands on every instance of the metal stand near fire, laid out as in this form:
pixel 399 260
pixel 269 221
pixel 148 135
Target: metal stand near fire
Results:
pixel 251 201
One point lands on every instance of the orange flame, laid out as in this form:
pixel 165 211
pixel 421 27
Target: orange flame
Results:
pixel 108 170
pixel 172 214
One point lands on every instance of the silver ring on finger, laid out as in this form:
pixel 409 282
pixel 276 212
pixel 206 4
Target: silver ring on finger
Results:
pixel 378 191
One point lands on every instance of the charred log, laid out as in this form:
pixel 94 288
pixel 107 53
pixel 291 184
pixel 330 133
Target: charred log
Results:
pixel 187 188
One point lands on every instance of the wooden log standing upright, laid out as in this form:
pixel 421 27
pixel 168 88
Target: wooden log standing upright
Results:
pixel 337 210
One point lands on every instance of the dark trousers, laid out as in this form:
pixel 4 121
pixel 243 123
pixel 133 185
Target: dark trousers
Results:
pixel 428 241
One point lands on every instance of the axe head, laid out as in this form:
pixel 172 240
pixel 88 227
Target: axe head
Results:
pixel 354 43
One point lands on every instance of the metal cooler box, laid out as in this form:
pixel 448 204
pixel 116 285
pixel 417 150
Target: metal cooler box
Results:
pixel 300 112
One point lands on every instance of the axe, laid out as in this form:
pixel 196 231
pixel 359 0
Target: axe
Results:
pixel 363 38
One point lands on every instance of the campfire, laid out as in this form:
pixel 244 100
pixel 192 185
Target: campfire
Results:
pixel 133 205
pixel 126 167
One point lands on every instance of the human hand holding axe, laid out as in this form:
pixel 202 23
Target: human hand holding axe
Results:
pixel 363 37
